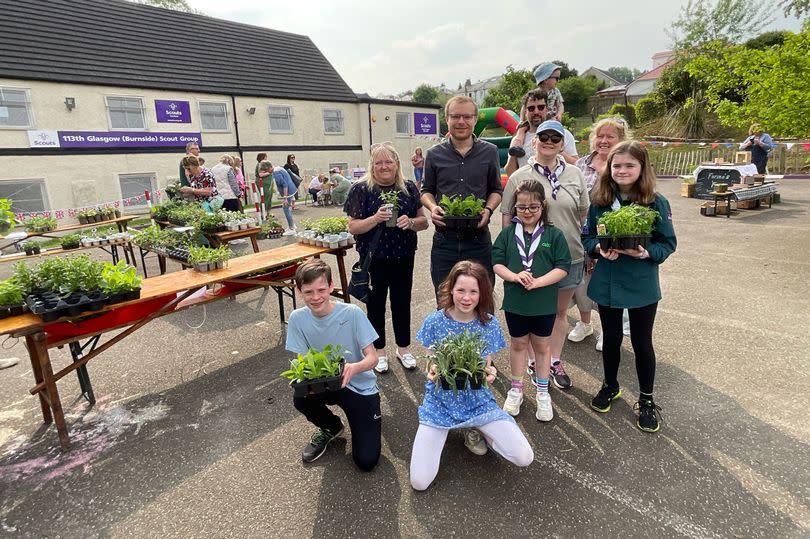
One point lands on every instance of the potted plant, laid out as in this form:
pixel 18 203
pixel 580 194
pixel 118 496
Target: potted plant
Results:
pixel 211 222
pixel 70 241
pixel 120 282
pixel 461 213
pixel 316 371
pixel 31 247
pixel 7 217
pixel 459 361
pixel 40 224
pixel 688 186
pixel 390 201
pixel 271 228
pixel 173 189
pixel 201 258
pixel 91 215
pixel 11 298
pixel 626 228
pixel 220 257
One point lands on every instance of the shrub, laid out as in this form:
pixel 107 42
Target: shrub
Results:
pixel 628 112
pixel 649 108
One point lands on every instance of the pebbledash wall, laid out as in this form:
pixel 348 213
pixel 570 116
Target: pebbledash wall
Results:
pixel 49 161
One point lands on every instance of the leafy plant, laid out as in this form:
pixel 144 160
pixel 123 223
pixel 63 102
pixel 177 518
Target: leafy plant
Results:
pixel 70 240
pixel 211 221
pixel 455 206
pixel 62 275
pixel 315 364
pixel 632 220
pixel 331 225
pixel 40 224
pixel 390 197
pixel 305 224
pixel 207 255
pixel 119 278
pixel 270 224
pixel 87 213
pixel 7 217
pixel 460 354
pixel 31 245
pixel 11 293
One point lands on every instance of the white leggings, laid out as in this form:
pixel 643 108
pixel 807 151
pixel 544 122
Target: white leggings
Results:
pixel 504 437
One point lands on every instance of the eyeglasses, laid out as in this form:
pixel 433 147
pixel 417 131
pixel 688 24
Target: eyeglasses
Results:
pixel 539 108
pixel 533 208
pixel 292 157
pixel 466 117
pixel 545 137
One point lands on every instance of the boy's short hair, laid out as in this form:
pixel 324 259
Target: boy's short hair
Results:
pixel 310 271
pixel 265 165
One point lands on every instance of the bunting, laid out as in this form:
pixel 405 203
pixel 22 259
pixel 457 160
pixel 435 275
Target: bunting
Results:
pixel 70 213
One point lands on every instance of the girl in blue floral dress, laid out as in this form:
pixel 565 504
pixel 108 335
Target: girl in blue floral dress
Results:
pixel 466 305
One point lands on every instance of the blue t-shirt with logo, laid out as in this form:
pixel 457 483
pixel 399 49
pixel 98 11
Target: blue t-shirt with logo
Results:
pixel 347 326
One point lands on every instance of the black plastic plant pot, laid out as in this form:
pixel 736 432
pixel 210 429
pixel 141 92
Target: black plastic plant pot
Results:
pixel 82 220
pixel 319 385
pixel 202 267
pixel 477 381
pixel 16 310
pixel 5 312
pixel 460 382
pixel 460 222
pixel 632 241
pixel 132 295
pixel 69 246
pixel 605 242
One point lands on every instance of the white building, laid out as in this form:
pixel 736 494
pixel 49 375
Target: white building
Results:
pixel 478 90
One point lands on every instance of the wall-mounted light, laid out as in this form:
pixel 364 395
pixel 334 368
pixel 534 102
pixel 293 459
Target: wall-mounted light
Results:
pixel 251 110
pixel 387 118
pixel 70 103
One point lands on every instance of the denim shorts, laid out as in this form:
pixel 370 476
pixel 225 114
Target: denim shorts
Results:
pixel 574 277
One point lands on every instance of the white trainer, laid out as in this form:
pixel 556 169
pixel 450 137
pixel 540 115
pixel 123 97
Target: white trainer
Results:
pixel 544 409
pixel 288 232
pixel 382 364
pixel 475 442
pixel 514 399
pixel 407 360
pixel 599 342
pixel 580 331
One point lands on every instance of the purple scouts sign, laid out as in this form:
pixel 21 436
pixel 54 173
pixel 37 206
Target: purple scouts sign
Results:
pixel 125 139
pixel 424 123
pixel 172 112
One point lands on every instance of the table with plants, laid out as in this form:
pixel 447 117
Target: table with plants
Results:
pixel 74 301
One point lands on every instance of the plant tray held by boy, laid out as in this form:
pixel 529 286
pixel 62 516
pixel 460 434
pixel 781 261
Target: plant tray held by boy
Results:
pixel 316 371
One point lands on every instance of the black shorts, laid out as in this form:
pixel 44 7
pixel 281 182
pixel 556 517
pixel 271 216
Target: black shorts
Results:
pixel 520 326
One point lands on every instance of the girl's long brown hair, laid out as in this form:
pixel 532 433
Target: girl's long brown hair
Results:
pixel 642 192
pixel 486 303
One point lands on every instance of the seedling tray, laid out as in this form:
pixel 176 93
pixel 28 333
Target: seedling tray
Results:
pixel 460 222
pixel 317 386
pixel 125 296
pixel 461 382
pixel 14 310
pixel 624 242
pixel 50 306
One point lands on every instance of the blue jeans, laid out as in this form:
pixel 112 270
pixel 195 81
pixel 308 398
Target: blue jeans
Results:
pixel 287 209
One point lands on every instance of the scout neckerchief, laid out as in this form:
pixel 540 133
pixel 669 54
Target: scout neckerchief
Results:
pixel 526 258
pixel 552 176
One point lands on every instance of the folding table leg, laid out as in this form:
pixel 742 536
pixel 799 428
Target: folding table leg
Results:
pixel 39 351
pixel 82 373
pixel 47 417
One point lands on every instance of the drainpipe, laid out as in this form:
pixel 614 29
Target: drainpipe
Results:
pixel 238 144
pixel 370 141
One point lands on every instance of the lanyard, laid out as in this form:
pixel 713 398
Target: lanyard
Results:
pixel 526 258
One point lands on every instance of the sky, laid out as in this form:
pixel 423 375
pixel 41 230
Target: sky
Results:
pixel 392 46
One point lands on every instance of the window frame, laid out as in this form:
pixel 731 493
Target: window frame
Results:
pixel 109 117
pixel 290 116
pixel 29 108
pixel 43 186
pixel 408 116
pixel 341 116
pixel 152 185
pixel 224 104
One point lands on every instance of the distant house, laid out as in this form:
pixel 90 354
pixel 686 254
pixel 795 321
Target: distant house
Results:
pixel 603 76
pixel 478 90
pixel 630 93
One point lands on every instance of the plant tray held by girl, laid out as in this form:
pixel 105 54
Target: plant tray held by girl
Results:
pixel 459 361
pixel 626 228
pixel 316 372
pixel 461 213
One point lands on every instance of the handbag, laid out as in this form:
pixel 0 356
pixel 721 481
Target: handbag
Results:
pixel 359 285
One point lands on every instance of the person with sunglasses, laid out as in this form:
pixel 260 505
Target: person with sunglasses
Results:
pixel 533 113
pixel 568 201
pixel 547 76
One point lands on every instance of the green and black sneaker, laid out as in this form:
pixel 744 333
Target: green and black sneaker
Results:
pixel 649 415
pixel 601 402
pixel 320 440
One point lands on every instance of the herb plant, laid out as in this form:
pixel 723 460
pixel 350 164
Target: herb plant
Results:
pixel 11 293
pixel 40 224
pixel 315 364
pixel 7 217
pixel 456 206
pixel 632 220
pixel 459 355
pixel 70 240
pixel 119 278
pixel 390 197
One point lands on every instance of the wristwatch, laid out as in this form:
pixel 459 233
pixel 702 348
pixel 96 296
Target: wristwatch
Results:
pixel 410 223
pixel 491 211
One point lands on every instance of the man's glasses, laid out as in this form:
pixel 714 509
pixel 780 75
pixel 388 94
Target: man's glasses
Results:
pixel 539 108
pixel 533 208
pixel 545 137
pixel 466 117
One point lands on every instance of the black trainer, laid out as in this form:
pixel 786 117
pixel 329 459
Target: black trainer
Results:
pixel 649 414
pixel 317 445
pixel 559 376
pixel 601 402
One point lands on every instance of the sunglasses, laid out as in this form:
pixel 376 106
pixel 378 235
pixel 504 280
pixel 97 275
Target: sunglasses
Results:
pixel 539 108
pixel 545 137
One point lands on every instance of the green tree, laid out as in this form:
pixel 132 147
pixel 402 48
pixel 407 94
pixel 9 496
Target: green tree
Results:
pixel 177 5
pixel 768 39
pixel 774 81
pixel 624 74
pixel 799 8
pixel 425 94
pixel 508 93
pixel 576 91
pixel 702 21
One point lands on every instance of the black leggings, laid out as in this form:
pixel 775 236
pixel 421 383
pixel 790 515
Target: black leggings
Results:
pixel 363 413
pixel 641 327
pixel 394 275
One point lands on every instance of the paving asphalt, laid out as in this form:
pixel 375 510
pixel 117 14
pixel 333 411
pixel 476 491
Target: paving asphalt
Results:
pixel 194 433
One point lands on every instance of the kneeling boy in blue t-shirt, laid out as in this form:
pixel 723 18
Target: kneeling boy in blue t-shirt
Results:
pixel 324 322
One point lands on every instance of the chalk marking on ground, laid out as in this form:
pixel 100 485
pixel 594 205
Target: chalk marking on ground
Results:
pixel 765 490
pixel 566 437
pixel 649 511
pixel 582 430
pixel 682 451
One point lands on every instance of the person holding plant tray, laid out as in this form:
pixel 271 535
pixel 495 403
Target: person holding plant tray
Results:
pixel 463 331
pixel 627 278
pixel 385 213
pixel 322 323
pixel 567 199
pixel 203 185
pixel 531 257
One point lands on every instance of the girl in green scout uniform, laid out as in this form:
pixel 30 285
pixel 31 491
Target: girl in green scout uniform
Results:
pixel 531 257
pixel 628 278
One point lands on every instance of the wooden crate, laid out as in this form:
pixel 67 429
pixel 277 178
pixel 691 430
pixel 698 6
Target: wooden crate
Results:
pixel 688 190
pixel 748 204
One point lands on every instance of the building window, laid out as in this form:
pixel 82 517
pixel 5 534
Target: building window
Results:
pixel 133 185
pixel 214 116
pixel 28 196
pixel 280 118
pixel 125 112
pixel 15 108
pixel 403 123
pixel 333 121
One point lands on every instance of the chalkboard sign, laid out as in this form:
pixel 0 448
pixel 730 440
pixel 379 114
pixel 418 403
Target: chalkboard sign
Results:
pixel 708 177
